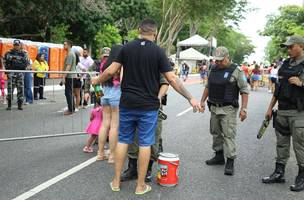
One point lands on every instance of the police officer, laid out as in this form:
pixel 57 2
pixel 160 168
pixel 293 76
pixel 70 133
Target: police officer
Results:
pixel 225 83
pixel 289 121
pixel 15 59
pixel 131 172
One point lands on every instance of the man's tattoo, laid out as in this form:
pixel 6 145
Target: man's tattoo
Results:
pixel 182 90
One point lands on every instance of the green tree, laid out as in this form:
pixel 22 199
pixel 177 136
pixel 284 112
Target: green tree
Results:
pixel 288 22
pixel 132 34
pixel 174 14
pixel 107 36
pixel 59 33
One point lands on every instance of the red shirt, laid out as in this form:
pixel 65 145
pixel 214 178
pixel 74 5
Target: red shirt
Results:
pixel 245 70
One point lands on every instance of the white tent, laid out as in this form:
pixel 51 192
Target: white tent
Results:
pixel 194 41
pixel 191 54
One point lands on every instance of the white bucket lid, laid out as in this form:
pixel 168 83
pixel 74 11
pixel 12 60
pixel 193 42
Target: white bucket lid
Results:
pixel 168 157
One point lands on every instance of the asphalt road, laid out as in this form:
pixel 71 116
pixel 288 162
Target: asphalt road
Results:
pixel 28 163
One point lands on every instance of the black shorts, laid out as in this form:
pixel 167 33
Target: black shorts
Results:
pixel 273 79
pixel 76 83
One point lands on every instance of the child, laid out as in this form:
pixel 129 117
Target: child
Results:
pixel 94 126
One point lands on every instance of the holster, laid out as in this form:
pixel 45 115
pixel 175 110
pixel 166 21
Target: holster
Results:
pixel 209 105
pixel 235 104
pixel 164 100
pixel 300 104
pixel 283 130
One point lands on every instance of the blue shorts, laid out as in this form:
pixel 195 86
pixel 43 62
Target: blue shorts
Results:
pixel 255 77
pixel 111 96
pixel 145 122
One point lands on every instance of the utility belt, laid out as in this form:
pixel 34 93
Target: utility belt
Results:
pixel 287 107
pixel 219 104
pixel 297 105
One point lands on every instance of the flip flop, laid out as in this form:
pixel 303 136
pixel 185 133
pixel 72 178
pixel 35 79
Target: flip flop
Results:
pixel 101 157
pixel 111 160
pixel 114 189
pixel 148 189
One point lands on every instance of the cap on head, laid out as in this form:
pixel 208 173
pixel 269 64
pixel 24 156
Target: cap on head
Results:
pixel 105 51
pixel 221 53
pixel 295 39
pixel 17 42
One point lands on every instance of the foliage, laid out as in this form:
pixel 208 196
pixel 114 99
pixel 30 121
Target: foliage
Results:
pixel 288 22
pixel 107 36
pixel 59 33
pixel 80 20
pixel 132 34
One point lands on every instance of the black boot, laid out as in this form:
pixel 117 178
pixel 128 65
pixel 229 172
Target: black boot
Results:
pixel 218 159
pixel 299 183
pixel 41 93
pixel 20 106
pixel 36 93
pixel 229 168
pixel 149 172
pixel 9 105
pixel 277 176
pixel 131 172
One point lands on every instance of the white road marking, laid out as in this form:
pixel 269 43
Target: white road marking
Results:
pixel 184 112
pixel 54 180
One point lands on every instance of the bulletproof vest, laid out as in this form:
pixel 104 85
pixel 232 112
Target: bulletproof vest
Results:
pixel 16 60
pixel 290 96
pixel 221 89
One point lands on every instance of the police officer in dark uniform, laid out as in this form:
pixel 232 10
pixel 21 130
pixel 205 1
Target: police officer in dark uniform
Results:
pixel 15 59
pixel 226 81
pixel 289 119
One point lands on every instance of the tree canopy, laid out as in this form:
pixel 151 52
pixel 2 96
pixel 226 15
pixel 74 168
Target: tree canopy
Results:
pixel 288 22
pixel 103 22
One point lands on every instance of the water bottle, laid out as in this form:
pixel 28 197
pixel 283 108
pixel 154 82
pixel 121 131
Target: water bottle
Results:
pixel 98 91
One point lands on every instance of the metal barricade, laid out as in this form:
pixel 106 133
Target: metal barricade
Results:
pixel 41 118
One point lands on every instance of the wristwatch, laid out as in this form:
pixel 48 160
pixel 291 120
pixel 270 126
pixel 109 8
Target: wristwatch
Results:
pixel 244 110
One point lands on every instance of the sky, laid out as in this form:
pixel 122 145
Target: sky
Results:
pixel 256 20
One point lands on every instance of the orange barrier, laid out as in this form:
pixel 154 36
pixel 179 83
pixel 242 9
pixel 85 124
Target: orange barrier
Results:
pixel 32 51
pixel 63 54
pixel 54 58
pixel 5 48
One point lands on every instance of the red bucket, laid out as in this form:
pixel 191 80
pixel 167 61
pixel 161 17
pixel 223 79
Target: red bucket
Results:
pixel 167 169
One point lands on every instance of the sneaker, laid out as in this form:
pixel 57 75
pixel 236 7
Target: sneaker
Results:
pixel 67 112
pixel 65 109
pixel 76 109
pixel 269 91
pixel 87 149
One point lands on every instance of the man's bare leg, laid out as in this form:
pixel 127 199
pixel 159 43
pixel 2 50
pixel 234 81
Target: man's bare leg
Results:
pixel 120 156
pixel 143 161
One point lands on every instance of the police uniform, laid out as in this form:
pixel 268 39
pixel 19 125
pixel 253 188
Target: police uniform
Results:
pixel 133 149
pixel 289 120
pixel 224 87
pixel 15 60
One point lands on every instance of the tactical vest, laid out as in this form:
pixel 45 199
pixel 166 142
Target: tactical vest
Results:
pixel 16 60
pixel 290 97
pixel 221 89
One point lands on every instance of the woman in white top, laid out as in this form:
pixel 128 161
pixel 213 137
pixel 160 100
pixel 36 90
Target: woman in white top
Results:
pixel 273 77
